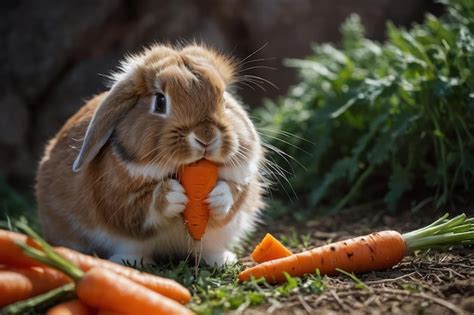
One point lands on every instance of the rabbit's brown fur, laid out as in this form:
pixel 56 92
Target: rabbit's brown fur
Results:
pixel 121 198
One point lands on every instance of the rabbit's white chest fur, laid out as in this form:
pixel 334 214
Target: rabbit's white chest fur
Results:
pixel 174 239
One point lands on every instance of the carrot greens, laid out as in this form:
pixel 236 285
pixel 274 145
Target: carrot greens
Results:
pixel 441 233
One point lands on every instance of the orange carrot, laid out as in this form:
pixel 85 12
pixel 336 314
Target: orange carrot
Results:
pixel 164 286
pixel 198 179
pixel 268 249
pixel 104 289
pixel 12 255
pixel 361 254
pixel 107 312
pixel 72 307
pixel 22 283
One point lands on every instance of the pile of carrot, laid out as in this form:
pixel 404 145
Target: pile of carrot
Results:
pixel 376 251
pixel 29 267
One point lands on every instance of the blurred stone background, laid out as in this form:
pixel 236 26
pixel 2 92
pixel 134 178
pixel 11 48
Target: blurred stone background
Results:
pixel 54 53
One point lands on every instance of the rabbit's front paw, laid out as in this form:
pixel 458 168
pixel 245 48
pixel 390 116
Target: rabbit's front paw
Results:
pixel 171 198
pixel 220 200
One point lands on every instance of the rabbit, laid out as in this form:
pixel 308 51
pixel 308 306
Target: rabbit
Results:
pixel 107 182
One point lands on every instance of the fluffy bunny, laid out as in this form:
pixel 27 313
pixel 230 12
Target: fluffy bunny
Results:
pixel 107 181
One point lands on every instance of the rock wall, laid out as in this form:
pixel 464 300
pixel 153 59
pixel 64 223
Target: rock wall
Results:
pixel 55 53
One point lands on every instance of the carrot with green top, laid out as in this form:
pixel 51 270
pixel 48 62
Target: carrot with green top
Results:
pixel 164 286
pixel 268 249
pixel 376 251
pixel 104 289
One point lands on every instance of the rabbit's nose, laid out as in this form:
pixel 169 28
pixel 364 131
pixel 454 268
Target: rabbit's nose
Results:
pixel 200 143
pixel 205 143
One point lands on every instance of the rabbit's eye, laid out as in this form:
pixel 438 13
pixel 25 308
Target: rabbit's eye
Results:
pixel 159 106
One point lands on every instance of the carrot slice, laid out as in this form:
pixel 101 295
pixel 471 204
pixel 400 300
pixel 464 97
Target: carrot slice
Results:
pixel 268 249
pixel 198 179
pixel 73 307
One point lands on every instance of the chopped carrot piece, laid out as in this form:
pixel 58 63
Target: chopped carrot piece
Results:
pixel 268 249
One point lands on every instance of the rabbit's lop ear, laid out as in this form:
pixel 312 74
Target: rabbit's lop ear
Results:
pixel 121 99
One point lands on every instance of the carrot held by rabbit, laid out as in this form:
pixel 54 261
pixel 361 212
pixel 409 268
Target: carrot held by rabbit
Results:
pixel 198 179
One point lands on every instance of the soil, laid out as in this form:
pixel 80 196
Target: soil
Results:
pixel 429 283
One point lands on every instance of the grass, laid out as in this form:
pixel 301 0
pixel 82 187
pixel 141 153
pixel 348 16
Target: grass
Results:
pixel 358 283
pixel 294 240
pixel 217 290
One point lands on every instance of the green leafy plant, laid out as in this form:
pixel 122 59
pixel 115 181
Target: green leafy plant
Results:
pixel 382 119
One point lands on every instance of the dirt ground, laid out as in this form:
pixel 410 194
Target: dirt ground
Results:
pixel 431 283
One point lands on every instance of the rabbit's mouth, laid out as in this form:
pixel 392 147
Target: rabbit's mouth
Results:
pixel 218 163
